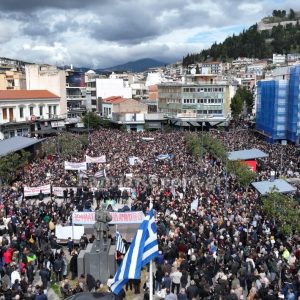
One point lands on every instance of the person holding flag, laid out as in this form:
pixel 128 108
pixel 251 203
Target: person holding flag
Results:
pixel 120 248
pixel 143 249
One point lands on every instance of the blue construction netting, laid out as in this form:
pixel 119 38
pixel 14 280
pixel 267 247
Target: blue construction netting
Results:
pixel 293 121
pixel 271 110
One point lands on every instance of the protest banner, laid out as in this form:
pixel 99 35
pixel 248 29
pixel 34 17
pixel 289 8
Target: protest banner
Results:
pixel 34 191
pixel 96 160
pixel 74 166
pixel 134 160
pixel 194 204
pixel 59 191
pixel 64 232
pixel 88 218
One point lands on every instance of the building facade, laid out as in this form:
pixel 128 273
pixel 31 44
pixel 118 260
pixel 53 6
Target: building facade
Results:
pixel 12 80
pixel 22 111
pixel 47 77
pixel 278 106
pixel 196 101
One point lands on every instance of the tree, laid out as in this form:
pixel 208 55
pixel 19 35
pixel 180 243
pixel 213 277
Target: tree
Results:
pixel 247 97
pixel 236 105
pixel 197 69
pixel 292 14
pixel 284 211
pixel 11 164
pixel 91 120
pixel 65 144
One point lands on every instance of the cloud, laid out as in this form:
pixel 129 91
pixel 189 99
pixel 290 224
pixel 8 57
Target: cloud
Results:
pixel 103 33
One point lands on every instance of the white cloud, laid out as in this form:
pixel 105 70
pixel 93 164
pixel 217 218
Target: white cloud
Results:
pixel 104 33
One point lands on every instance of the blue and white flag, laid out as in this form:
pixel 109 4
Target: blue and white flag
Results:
pixel 119 243
pixel 164 156
pixel 142 250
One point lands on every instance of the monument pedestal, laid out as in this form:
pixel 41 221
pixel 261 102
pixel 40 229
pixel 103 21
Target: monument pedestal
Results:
pixel 98 260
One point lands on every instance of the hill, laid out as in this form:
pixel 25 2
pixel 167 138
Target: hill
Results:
pixel 252 43
pixel 140 65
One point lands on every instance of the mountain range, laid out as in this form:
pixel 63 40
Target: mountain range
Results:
pixel 140 65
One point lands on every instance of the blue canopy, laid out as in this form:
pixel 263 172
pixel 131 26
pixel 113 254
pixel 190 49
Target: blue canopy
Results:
pixel 279 185
pixel 246 154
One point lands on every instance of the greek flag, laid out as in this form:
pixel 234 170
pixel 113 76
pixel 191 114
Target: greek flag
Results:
pixel 142 250
pixel 119 243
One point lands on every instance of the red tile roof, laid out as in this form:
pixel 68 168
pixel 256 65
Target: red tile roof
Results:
pixel 114 100
pixel 26 94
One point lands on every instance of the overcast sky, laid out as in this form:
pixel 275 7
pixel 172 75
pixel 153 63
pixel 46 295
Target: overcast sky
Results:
pixel 103 33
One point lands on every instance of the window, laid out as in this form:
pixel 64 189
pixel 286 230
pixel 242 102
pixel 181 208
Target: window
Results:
pixel 50 111
pixel 54 109
pixel 41 110
pixel 209 89
pixel 205 89
pixel 4 113
pixel 31 110
pixel 21 110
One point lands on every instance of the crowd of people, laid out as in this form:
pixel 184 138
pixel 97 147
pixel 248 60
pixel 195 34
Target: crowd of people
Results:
pixel 222 248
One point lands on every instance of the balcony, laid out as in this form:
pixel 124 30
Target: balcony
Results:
pixel 128 118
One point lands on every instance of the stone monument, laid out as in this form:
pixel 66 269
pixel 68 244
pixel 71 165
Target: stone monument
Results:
pixel 98 259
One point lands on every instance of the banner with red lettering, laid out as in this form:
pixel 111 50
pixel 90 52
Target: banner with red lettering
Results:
pixel 34 191
pixel 96 160
pixel 88 218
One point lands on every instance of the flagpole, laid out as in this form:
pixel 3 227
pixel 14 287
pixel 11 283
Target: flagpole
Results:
pixel 150 266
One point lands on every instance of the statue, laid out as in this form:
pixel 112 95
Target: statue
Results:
pixel 102 218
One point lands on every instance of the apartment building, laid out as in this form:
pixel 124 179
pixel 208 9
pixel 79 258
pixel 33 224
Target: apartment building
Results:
pixel 12 80
pixel 47 77
pixel 25 111
pixel 127 112
pixel 186 104
pixel 278 106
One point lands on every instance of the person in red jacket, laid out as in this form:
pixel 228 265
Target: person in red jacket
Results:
pixel 7 255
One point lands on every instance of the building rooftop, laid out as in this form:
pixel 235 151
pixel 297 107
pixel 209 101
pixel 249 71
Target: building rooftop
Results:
pixel 16 143
pixel 26 94
pixel 114 100
pixel 246 154
pixel 280 186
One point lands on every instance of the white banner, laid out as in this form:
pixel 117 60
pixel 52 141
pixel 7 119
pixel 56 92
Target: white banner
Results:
pixel 33 191
pixel 194 204
pixel 75 166
pixel 64 232
pixel 59 191
pixel 88 218
pixel 96 160
pixel 134 160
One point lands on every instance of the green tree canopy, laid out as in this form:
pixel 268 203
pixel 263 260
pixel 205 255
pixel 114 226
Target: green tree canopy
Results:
pixel 65 144
pixel 11 164
pixel 91 120
pixel 284 211
pixel 236 105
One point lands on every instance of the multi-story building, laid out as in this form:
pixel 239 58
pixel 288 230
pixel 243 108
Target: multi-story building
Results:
pixel 139 91
pixel 25 111
pixel 91 94
pixel 278 106
pixel 47 77
pixel 279 59
pixel 202 99
pixel 109 87
pixel 127 112
pixel 76 93
pixel 12 80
